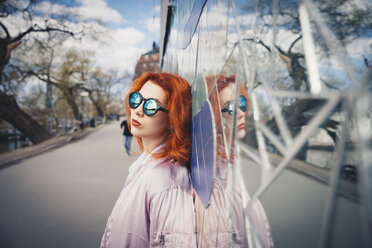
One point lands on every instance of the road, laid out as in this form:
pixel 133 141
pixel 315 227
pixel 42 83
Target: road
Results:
pixel 63 198
pixel 294 204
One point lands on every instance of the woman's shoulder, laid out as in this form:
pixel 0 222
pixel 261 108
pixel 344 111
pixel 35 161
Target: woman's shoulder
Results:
pixel 166 174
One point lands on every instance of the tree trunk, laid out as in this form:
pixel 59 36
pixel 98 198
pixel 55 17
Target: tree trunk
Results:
pixel 96 105
pixel 70 98
pixel 12 113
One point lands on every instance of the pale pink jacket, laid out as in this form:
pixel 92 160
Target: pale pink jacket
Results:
pixel 155 207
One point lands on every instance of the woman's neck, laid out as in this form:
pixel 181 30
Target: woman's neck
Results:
pixel 150 144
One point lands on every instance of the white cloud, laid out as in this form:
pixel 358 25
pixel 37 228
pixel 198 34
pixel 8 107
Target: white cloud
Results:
pixel 21 4
pixel 98 9
pixel 116 49
pixel 216 15
pixel 153 25
pixel 157 9
pixel 360 47
pixel 48 8
pixel 89 10
pixel 127 36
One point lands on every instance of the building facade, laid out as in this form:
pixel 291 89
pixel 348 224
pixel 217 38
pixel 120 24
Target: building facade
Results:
pixel 148 62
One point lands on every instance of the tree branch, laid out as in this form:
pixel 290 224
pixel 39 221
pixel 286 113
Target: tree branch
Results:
pixel 28 73
pixel 259 42
pixel 5 30
pixel 36 28
pixel 280 50
pixel 293 43
pixel 10 47
pixel 46 80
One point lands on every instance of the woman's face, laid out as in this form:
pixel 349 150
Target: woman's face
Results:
pixel 150 127
pixel 226 96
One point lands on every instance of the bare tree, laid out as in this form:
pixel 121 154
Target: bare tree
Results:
pixel 100 86
pixel 346 19
pixel 9 108
pixel 74 74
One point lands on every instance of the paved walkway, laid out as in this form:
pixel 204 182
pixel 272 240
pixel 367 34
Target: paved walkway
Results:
pixel 63 197
pixel 10 158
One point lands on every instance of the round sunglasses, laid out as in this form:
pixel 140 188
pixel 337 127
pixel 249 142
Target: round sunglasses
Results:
pixel 242 104
pixel 150 105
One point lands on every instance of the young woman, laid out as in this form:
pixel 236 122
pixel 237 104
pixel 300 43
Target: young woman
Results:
pixel 155 207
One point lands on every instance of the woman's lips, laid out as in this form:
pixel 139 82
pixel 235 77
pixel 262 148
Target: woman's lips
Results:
pixel 136 123
pixel 241 126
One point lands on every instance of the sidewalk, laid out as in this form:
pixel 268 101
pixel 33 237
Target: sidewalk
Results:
pixel 63 197
pixel 10 158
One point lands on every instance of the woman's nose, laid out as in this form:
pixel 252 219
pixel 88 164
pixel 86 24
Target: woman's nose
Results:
pixel 139 110
pixel 240 113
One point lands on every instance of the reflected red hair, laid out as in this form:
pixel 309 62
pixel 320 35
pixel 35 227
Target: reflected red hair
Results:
pixel 178 93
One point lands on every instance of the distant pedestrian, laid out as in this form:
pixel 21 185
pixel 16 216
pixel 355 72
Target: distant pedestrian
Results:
pixel 127 136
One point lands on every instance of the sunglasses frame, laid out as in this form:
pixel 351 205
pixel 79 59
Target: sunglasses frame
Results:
pixel 144 100
pixel 226 109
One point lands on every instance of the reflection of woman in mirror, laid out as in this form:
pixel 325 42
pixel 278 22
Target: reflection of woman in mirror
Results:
pixel 222 96
pixel 226 220
pixel 227 103
pixel 226 89
pixel 155 207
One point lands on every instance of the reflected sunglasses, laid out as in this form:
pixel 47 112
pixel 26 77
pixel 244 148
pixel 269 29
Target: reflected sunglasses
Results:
pixel 242 104
pixel 150 105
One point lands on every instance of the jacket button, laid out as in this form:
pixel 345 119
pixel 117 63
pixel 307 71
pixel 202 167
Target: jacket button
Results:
pixel 161 239
pixel 234 237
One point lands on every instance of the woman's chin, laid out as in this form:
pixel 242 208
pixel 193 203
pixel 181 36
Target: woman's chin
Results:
pixel 135 132
pixel 240 134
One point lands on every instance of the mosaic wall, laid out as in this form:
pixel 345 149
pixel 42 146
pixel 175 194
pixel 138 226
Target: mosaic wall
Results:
pixel 290 164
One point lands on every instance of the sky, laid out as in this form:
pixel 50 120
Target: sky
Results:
pixel 134 24
pixel 119 30
pixel 126 29
pixel 135 20
pixel 142 15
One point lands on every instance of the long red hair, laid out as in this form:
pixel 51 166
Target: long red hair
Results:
pixel 178 93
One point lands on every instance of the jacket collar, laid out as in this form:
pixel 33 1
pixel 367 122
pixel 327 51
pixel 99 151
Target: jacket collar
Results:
pixel 146 158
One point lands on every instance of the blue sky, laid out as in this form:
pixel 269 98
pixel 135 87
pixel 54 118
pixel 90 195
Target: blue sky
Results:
pixel 117 31
pixel 136 13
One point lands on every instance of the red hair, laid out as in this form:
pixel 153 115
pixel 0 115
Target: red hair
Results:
pixel 178 93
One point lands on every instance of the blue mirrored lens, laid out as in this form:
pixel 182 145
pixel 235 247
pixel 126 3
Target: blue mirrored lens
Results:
pixel 135 100
pixel 243 105
pixel 150 107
